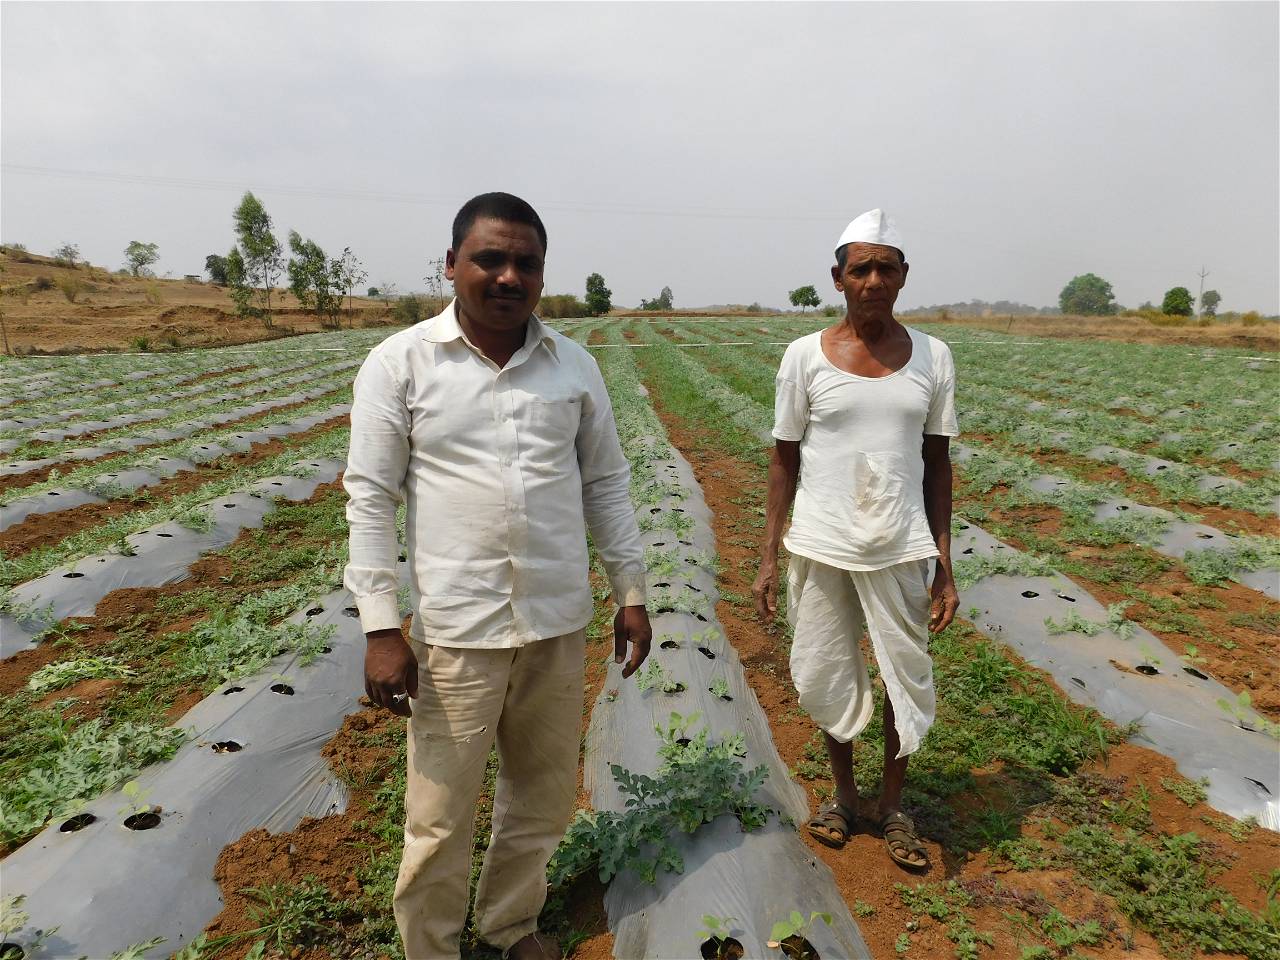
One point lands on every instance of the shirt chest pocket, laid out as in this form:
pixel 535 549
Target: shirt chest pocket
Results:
pixel 549 422
pixel 881 481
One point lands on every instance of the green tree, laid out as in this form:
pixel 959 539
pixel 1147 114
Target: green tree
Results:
pixel 140 256
pixel 598 295
pixel 312 278
pixel 1087 295
pixel 1178 302
pixel 1209 302
pixel 348 273
pixel 260 251
pixel 663 301
pixel 216 267
pixel 806 296
pixel 241 292
pixel 68 254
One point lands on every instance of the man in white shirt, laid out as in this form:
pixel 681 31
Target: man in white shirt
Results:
pixel 497 434
pixel 864 413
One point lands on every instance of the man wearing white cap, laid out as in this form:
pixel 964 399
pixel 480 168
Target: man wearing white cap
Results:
pixel 864 413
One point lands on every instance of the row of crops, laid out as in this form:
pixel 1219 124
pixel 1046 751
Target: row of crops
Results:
pixel 180 649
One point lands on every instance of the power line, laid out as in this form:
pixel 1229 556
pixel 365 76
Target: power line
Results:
pixel 383 196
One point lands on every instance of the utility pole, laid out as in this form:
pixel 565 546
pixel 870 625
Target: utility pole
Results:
pixel 1200 300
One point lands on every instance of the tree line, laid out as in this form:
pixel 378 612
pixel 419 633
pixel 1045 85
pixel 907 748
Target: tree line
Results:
pixel 1091 296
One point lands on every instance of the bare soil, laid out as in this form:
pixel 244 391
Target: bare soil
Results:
pixel 113 310
pixel 1265 337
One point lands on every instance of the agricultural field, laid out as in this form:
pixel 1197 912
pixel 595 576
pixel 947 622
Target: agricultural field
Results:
pixel 187 767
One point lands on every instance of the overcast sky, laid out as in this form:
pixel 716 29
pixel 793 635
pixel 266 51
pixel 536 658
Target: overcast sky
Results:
pixel 716 148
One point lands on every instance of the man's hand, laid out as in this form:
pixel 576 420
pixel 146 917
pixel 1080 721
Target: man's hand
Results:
pixel 765 590
pixel 946 600
pixel 631 625
pixel 390 671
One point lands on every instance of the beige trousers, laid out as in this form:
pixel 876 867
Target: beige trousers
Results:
pixel 530 699
pixel 829 608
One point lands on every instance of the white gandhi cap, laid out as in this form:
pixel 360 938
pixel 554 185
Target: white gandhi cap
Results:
pixel 874 226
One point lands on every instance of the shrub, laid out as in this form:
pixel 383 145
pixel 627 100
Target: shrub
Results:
pixel 71 287
pixel 408 310
pixel 40 284
pixel 151 293
pixel 1169 320
pixel 141 344
pixel 558 306
pixel 1251 319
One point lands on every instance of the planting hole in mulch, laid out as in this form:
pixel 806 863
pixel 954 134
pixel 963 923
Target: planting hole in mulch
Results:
pixel 967 550
pixel 11 951
pixel 315 611
pixel 324 650
pixel 722 948
pixel 964 526
pixel 78 822
pixel 1195 673
pixel 726 697
pixel 1063 596
pixel 698 616
pixel 661 544
pixel 1078 682
pixel 662 584
pixel 53 493
pixel 73 575
pixel 798 948
pixel 686 543
pixel 683 742
pixel 710 655
pixel 283 689
pixel 167 536
pixel 1146 669
pixel 231 690
pixel 669 645
pixel 227 746
pixel 677 688
pixel 1260 785
pixel 1205 536
pixel 351 611
pixel 143 821
pixel 277 483
pixel 1029 594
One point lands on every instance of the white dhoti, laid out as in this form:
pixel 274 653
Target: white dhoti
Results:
pixel 829 607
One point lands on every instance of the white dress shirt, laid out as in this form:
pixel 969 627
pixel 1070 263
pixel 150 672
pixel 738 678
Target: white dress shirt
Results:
pixel 502 470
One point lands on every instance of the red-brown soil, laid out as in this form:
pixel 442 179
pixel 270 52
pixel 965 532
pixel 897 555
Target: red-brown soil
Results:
pixel 45 528
pixel 17 480
pixel 136 608
pixel 862 870
pixel 111 311
pixel 1242 657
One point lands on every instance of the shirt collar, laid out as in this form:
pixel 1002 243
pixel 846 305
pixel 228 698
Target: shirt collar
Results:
pixel 444 328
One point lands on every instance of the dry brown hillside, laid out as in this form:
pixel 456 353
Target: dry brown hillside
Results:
pixel 114 312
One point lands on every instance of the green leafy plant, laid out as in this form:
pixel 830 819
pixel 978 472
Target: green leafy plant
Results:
pixel 695 782
pixel 55 676
pixel 654 677
pixel 1241 710
pixel 716 931
pixel 791 935
pixel 719 688
pixel 1189 792
pixel 1072 623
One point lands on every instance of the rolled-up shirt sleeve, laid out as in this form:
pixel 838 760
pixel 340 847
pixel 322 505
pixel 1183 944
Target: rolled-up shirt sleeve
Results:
pixel 374 480
pixel 606 497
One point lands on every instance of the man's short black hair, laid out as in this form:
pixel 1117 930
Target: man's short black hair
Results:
pixel 496 206
pixel 842 254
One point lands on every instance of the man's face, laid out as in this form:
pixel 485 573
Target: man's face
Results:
pixel 497 273
pixel 872 276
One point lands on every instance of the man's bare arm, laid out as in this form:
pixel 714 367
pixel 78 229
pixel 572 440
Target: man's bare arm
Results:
pixel 784 473
pixel 937 506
